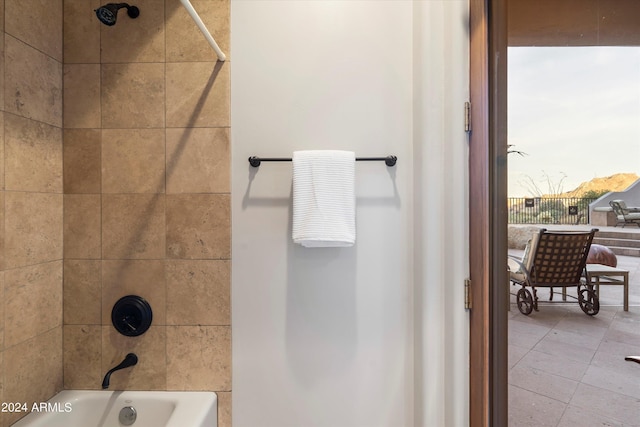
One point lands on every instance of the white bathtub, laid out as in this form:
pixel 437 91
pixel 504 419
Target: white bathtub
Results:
pixel 74 408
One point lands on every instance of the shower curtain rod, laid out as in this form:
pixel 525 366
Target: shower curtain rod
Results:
pixel 207 35
pixel 255 160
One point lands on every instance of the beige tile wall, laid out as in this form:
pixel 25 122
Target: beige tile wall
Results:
pixel 31 202
pixel 147 196
pixel 143 135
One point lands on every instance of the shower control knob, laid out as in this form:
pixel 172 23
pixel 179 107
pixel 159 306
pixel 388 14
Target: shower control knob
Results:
pixel 131 315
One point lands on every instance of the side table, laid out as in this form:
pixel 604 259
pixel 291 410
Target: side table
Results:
pixel 599 274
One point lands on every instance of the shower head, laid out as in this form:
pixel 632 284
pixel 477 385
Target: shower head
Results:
pixel 108 13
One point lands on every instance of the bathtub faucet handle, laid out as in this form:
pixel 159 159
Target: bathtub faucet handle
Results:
pixel 130 360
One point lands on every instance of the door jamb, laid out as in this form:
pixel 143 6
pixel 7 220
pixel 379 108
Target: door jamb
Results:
pixel 488 217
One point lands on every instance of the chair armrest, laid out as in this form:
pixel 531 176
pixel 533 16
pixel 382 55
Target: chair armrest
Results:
pixel 513 261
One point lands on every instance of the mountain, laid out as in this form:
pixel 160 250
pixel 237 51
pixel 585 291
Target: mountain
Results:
pixel 617 182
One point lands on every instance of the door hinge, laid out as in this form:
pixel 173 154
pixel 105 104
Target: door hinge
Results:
pixel 467 116
pixel 467 294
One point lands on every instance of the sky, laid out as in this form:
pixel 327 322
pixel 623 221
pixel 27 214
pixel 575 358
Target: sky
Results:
pixel 575 112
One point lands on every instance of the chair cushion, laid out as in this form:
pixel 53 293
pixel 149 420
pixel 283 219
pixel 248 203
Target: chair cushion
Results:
pixel 622 203
pixel 527 258
pixel 515 269
pixel 515 274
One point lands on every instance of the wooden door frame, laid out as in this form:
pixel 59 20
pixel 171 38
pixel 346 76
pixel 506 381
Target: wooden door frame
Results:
pixel 487 214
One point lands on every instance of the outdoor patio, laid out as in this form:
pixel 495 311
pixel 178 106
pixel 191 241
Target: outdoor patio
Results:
pixel 567 369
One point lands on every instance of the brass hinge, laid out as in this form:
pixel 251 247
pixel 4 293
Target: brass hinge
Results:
pixel 467 294
pixel 467 116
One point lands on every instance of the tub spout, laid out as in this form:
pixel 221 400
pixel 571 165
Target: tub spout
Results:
pixel 130 360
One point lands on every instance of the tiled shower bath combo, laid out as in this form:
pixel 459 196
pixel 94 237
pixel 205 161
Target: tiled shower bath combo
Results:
pixel 114 180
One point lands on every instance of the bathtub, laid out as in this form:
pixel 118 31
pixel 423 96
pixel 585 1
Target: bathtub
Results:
pixel 78 408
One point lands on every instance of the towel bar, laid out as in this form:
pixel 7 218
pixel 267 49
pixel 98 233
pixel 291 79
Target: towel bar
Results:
pixel 255 160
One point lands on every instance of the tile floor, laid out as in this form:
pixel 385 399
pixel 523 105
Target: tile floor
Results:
pixel 567 369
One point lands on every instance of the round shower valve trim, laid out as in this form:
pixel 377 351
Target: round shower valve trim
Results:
pixel 131 315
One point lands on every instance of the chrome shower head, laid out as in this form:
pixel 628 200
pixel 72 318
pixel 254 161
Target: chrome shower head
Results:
pixel 108 13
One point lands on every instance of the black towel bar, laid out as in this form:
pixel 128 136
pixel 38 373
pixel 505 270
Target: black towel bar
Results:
pixel 255 160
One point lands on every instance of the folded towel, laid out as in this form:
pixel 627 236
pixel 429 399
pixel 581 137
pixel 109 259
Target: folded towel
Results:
pixel 324 211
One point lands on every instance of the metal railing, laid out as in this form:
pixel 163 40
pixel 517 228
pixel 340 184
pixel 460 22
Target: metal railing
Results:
pixel 548 210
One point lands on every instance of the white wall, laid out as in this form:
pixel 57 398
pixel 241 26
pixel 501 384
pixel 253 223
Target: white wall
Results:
pixel 328 337
pixel 441 64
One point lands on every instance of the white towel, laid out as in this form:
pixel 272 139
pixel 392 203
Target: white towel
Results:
pixel 324 207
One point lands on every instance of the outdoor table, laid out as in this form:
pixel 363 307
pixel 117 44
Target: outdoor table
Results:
pixel 599 274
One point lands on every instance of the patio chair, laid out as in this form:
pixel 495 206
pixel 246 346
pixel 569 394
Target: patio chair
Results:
pixel 554 259
pixel 623 215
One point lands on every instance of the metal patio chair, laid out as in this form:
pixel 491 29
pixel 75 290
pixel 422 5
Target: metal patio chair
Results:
pixel 624 215
pixel 554 259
